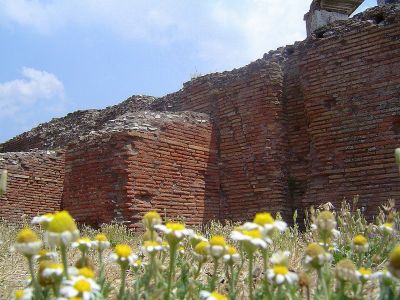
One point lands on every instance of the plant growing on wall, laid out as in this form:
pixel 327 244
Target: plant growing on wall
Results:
pixel 3 182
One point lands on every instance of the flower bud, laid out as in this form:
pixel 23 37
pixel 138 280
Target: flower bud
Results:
pixel 346 271
pixel 394 262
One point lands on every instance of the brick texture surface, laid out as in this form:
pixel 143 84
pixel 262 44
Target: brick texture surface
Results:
pixel 35 183
pixel 343 103
pixel 120 176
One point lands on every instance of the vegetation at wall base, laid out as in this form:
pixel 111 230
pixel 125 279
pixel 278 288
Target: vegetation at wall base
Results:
pixel 338 256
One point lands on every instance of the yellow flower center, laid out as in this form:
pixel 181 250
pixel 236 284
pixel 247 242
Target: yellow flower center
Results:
pixel 86 272
pixel 231 250
pixel 218 296
pixel 26 235
pixel 394 258
pixel 101 237
pixel 364 271
pixel 175 226
pixel 314 250
pixel 138 262
pixel 360 240
pixel 55 266
pixel 123 250
pixel 388 225
pixel 19 294
pixel 84 240
pixel 202 248
pixel 280 270
pixel 218 240
pixel 263 219
pixel 151 244
pixel 61 222
pixel 255 233
pixel 151 215
pixel 43 252
pixel 82 286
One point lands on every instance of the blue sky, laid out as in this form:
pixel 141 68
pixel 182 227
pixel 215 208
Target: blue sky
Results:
pixel 63 55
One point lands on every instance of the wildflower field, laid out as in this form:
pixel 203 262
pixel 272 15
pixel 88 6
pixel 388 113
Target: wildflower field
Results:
pixel 339 255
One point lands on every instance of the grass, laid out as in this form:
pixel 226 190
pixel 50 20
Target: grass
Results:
pixel 351 221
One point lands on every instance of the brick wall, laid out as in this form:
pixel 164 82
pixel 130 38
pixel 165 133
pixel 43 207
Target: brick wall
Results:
pixel 35 183
pixel 120 176
pixel 309 123
pixel 246 109
pixel 343 103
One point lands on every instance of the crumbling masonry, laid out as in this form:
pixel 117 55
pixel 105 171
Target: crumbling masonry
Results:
pixel 309 123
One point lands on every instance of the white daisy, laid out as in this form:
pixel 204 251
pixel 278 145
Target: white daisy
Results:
pixel 365 274
pixel 280 258
pixel 52 270
pixel 45 255
pixel 269 224
pixel 205 295
pixel 217 246
pixel 280 274
pixel 360 244
pixel 201 251
pixel 174 232
pixel 43 219
pixel 196 238
pixel 152 247
pixel 27 242
pixel 387 228
pixel 80 286
pixel 231 255
pixel 61 230
pixel 26 294
pixel 123 255
pixel 251 239
pixel 101 242
pixel 316 256
pixel 83 244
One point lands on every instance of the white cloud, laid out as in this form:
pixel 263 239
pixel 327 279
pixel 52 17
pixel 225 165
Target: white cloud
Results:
pixel 227 33
pixel 38 91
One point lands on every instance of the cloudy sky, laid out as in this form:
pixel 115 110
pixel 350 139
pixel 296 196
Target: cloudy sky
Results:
pixel 58 56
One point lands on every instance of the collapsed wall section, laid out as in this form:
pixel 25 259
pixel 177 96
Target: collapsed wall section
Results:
pixel 343 101
pixel 35 183
pixel 171 167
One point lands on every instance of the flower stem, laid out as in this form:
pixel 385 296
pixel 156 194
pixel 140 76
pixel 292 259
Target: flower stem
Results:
pixel 214 277
pixel 265 280
pixel 323 283
pixel 101 273
pixel 83 259
pixel 250 278
pixel 172 260
pixel 38 289
pixel 122 287
pixel 232 291
pixel 64 260
pixel 198 270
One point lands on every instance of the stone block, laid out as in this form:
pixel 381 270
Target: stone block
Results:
pixel 319 18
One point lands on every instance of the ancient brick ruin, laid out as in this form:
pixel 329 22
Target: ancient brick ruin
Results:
pixel 312 122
